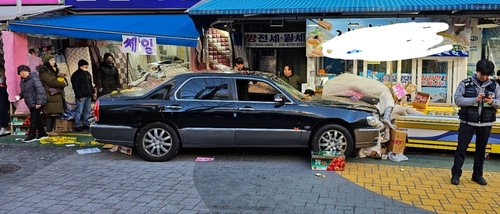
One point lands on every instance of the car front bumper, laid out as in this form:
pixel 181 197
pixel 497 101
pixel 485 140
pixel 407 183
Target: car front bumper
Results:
pixel 366 137
pixel 118 135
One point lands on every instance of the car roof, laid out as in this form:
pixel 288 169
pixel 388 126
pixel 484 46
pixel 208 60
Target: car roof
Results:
pixel 226 73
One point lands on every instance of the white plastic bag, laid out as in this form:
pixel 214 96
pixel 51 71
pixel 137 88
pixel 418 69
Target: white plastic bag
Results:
pixel 397 157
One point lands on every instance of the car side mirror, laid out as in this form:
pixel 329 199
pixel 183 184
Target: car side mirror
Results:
pixel 279 100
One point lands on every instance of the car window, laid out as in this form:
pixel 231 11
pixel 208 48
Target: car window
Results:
pixel 255 90
pixel 205 89
pixel 161 94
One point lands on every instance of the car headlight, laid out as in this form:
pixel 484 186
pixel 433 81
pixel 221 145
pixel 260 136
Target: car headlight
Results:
pixel 373 121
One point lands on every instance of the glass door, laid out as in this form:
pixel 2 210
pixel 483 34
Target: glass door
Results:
pixel 434 77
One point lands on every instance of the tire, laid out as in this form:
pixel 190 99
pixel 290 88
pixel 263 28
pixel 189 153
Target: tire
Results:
pixel 333 137
pixel 157 142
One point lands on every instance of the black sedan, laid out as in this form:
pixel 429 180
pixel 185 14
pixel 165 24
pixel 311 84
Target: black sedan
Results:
pixel 231 109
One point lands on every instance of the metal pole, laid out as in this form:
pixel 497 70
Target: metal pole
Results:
pixel 19 8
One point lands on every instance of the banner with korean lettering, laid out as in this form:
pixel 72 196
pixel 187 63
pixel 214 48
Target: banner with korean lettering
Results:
pixel 321 30
pixel 275 40
pixel 436 86
pixel 140 45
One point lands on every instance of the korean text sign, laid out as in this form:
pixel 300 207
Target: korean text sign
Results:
pixel 140 45
pixel 275 40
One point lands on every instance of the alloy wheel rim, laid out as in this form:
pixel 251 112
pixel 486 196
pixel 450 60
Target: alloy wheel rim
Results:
pixel 333 140
pixel 157 142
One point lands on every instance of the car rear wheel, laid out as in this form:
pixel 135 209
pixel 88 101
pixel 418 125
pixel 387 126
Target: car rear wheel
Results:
pixel 333 137
pixel 157 142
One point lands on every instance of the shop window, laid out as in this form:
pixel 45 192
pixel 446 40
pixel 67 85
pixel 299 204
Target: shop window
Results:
pixel 435 79
pixel 205 89
pixel 255 90
pixel 406 66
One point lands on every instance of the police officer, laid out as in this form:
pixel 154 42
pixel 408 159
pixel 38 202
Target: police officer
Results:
pixel 478 98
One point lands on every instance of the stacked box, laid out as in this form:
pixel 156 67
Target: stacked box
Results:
pixel 19 130
pixel 397 143
pixel 17 120
pixel 327 160
pixel 64 125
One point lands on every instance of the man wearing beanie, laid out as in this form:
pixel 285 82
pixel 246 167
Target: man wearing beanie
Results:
pixel 34 96
pixel 84 91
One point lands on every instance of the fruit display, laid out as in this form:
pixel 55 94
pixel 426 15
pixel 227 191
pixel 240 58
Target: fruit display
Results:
pixel 219 51
pixel 327 160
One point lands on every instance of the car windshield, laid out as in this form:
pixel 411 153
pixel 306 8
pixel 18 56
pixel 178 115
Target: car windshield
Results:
pixel 286 87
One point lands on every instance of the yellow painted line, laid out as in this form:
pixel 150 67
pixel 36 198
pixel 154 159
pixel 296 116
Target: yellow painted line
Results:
pixel 427 188
pixel 449 143
pixel 441 147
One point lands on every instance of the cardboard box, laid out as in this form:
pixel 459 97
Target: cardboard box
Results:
pixel 17 120
pixel 64 125
pixel 398 141
pixel 421 100
pixel 327 160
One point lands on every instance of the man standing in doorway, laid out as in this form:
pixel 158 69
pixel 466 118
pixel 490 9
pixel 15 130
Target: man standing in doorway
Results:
pixel 84 92
pixel 479 99
pixel 239 65
pixel 293 80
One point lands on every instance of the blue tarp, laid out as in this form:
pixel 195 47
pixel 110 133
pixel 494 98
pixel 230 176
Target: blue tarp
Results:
pixel 240 7
pixel 168 29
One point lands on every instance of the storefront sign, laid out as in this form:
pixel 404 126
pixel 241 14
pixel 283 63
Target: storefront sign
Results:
pixel 275 40
pixel 319 31
pixel 28 2
pixel 140 45
pixel 130 4
pixel 434 80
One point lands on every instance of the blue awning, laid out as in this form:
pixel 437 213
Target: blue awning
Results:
pixel 240 7
pixel 168 29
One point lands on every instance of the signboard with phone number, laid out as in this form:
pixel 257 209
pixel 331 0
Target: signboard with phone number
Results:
pixel 275 40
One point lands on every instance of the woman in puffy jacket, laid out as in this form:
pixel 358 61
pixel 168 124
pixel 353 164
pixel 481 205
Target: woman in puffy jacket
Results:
pixel 54 89
pixel 35 98
pixel 108 79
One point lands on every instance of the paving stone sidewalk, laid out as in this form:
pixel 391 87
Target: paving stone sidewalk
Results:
pixel 57 180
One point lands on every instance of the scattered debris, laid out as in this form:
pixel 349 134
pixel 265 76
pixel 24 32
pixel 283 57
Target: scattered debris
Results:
pixel 122 149
pixel 204 159
pixel 108 146
pixel 88 150
pixel 125 150
pixel 402 170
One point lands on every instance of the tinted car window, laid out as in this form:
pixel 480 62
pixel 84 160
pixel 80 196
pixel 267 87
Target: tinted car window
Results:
pixel 205 89
pixel 161 93
pixel 255 90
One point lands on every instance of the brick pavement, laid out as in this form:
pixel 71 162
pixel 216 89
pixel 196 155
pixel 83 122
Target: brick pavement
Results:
pixel 234 183
pixel 57 180
pixel 428 188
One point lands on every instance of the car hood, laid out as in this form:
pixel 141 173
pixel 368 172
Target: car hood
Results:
pixel 343 102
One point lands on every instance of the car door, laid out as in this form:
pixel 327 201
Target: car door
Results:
pixel 203 112
pixel 258 121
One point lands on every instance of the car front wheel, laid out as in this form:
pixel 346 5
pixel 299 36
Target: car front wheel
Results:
pixel 157 142
pixel 333 137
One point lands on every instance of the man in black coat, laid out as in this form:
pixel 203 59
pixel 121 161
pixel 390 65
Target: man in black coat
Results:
pixel 84 92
